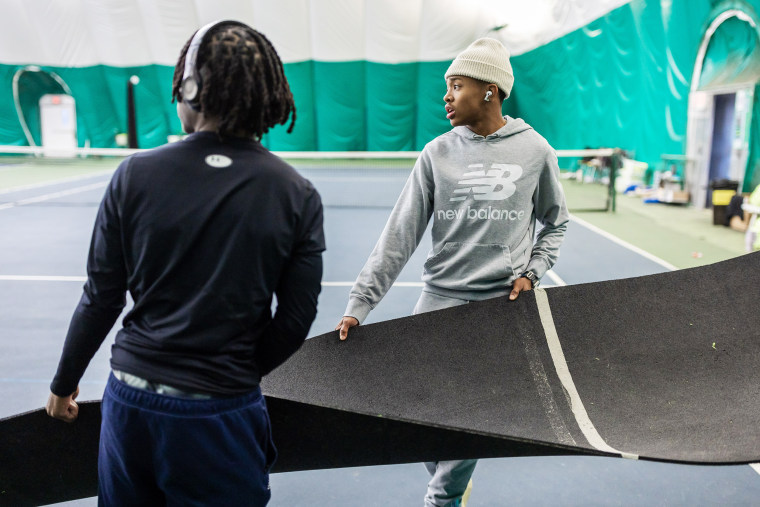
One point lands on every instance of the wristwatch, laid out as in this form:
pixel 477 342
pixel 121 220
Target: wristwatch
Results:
pixel 530 275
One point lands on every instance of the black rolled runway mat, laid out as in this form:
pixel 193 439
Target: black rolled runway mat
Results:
pixel 663 367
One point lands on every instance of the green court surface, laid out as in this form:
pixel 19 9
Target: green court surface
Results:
pixel 682 235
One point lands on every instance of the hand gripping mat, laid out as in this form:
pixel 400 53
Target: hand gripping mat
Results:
pixel 663 367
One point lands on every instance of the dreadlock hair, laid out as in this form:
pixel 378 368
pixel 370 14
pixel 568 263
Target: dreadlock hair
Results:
pixel 244 84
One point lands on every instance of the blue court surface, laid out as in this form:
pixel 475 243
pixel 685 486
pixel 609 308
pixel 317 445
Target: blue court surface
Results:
pixel 45 237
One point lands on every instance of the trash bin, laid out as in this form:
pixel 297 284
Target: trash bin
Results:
pixel 722 192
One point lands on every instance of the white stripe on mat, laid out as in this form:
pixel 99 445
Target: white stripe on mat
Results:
pixel 755 467
pixel 576 404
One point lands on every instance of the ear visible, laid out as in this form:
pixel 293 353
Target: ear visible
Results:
pixel 492 91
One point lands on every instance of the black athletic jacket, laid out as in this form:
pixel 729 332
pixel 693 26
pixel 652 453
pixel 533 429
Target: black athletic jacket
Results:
pixel 202 233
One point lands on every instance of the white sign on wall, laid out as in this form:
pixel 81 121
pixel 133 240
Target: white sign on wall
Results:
pixel 58 125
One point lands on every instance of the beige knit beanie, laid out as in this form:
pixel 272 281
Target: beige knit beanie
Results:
pixel 485 59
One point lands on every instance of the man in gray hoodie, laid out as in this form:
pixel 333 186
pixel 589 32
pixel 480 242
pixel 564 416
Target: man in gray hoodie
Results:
pixel 485 183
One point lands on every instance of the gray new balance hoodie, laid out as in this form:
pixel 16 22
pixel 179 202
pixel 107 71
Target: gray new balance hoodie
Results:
pixel 484 195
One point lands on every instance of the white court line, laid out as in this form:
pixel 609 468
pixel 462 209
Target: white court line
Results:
pixel 624 243
pixel 35 278
pixel 351 284
pixel 555 278
pixel 43 278
pixel 56 182
pixel 560 364
pixel 50 278
pixel 551 274
pixel 54 195
pixel 755 467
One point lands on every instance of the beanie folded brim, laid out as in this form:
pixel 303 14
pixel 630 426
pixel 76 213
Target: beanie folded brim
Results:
pixel 486 60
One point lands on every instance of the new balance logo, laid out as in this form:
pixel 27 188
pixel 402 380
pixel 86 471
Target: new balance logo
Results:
pixel 495 184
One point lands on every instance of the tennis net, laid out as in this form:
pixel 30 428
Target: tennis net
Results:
pixel 344 179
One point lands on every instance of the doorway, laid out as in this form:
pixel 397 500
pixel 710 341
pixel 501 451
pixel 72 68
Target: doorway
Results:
pixel 722 140
pixel 726 71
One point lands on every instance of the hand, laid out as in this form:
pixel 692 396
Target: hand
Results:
pixel 63 407
pixel 344 325
pixel 520 285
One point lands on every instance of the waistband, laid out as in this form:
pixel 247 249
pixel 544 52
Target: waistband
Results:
pixel 178 406
pixel 468 295
pixel 154 387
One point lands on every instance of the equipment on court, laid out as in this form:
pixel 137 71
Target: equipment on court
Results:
pixel 657 367
pixel 192 83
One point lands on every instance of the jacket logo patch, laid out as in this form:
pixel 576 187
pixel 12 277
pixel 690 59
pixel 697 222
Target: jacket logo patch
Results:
pixel 219 161
pixel 495 184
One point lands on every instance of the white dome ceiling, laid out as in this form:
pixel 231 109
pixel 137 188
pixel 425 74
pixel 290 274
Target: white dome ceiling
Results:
pixel 78 33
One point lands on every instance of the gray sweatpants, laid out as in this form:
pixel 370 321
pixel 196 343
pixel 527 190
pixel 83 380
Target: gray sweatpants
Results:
pixel 449 478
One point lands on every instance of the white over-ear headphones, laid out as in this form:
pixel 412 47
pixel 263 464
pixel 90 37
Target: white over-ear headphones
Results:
pixel 488 96
pixel 191 78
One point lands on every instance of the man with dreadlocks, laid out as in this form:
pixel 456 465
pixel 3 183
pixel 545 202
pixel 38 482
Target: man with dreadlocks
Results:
pixel 201 233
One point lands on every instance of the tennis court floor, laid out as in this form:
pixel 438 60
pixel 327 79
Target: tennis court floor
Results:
pixel 45 225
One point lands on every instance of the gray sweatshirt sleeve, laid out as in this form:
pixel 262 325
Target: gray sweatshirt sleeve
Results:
pixel 551 211
pixel 402 234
